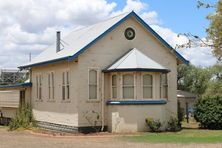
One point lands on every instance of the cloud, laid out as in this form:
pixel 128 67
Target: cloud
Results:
pixel 199 56
pixel 29 26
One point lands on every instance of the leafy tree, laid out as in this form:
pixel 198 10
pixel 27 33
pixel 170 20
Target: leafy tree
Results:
pixel 214 87
pixel 215 30
pixel 193 79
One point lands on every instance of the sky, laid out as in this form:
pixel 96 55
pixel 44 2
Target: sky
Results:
pixel 29 26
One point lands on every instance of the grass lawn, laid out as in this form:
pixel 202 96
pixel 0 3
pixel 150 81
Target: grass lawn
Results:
pixel 184 136
pixel 1 126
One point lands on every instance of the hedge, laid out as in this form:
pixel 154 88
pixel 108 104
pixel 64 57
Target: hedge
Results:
pixel 208 111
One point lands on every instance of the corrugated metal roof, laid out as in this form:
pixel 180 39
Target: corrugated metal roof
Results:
pixel 79 40
pixel 26 84
pixel 136 60
pixel 76 40
pixel 185 94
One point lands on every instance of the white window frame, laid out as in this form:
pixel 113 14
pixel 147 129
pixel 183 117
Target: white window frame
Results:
pixel 153 84
pixel 98 85
pixel 134 85
pixel 165 85
pixel 111 85
pixel 65 83
pixel 51 86
pixel 39 78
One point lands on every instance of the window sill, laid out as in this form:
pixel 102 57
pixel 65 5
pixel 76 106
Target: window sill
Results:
pixel 51 101
pixel 39 100
pixel 93 101
pixel 65 101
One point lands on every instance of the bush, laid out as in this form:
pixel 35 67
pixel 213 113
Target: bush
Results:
pixel 208 111
pixel 173 125
pixel 24 118
pixel 154 125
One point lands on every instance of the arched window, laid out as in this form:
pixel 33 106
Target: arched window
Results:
pixel 163 86
pixel 128 86
pixel 147 86
pixel 114 86
pixel 92 84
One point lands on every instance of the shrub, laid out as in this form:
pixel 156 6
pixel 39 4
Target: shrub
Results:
pixel 24 118
pixel 173 125
pixel 154 125
pixel 208 111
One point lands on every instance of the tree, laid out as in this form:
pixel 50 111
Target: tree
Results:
pixel 214 87
pixel 214 32
pixel 193 79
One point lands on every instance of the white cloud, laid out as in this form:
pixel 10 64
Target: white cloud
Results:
pixel 29 26
pixel 199 56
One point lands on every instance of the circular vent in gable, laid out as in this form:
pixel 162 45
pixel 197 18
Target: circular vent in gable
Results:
pixel 130 33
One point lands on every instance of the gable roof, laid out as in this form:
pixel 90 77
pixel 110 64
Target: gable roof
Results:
pixel 135 60
pixel 79 40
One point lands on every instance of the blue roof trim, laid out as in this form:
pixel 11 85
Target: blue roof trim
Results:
pixel 137 102
pixel 137 69
pixel 44 63
pixel 17 85
pixel 101 36
pixel 70 58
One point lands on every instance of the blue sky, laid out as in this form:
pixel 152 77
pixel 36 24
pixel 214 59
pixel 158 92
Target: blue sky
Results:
pixel 179 15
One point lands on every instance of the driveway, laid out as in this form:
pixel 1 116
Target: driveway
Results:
pixel 23 139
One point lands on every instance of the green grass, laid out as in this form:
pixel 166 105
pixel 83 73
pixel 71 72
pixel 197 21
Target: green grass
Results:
pixel 184 136
pixel 1 126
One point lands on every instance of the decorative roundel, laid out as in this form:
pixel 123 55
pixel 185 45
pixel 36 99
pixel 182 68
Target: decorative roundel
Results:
pixel 130 33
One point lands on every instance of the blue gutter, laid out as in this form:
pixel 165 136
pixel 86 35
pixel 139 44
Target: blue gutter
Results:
pixel 70 58
pixel 137 70
pixel 44 63
pixel 137 102
pixel 17 85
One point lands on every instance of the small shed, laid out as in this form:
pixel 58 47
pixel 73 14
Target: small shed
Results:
pixel 11 98
pixel 186 100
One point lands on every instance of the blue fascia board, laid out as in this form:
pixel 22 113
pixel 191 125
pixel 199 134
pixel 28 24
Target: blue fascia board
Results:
pixel 45 63
pixel 17 85
pixel 70 58
pixel 99 37
pixel 137 70
pixel 137 102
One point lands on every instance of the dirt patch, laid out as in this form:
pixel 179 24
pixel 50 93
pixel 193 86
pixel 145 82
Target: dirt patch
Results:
pixel 23 139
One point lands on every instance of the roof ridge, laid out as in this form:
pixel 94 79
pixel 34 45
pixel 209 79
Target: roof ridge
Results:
pixel 127 55
pixel 102 21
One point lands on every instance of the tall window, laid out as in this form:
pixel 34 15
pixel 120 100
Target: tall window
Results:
pixel 65 85
pixel 128 86
pixel 39 87
pixel 163 86
pixel 147 86
pixel 114 86
pixel 93 84
pixel 50 85
pixel 53 86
